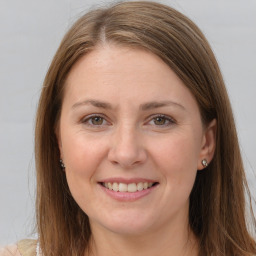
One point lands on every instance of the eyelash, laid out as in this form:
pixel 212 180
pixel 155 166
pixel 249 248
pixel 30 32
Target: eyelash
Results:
pixel 170 120
pixel 88 119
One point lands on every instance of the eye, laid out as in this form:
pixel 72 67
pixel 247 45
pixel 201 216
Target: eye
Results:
pixel 97 120
pixel 161 120
pixel 94 120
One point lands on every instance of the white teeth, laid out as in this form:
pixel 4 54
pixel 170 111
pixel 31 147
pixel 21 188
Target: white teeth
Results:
pixel 115 187
pixel 122 187
pixel 131 187
pixel 109 186
pixel 140 186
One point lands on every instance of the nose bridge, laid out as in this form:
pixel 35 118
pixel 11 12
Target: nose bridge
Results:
pixel 127 148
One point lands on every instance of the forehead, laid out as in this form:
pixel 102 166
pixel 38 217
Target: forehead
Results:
pixel 124 73
pixel 113 60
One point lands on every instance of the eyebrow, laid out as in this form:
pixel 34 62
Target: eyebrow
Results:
pixel 144 107
pixel 95 103
pixel 159 104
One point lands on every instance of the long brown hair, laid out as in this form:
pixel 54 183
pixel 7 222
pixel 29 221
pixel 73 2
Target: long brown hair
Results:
pixel 217 201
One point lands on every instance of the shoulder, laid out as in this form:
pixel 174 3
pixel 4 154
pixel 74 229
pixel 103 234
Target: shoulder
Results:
pixel 22 248
pixel 10 250
pixel 27 247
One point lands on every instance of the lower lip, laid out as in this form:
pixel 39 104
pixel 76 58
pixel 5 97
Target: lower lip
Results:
pixel 127 196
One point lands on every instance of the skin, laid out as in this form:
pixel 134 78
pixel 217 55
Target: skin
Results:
pixel 127 140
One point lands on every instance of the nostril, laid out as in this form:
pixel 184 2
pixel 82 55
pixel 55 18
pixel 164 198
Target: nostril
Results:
pixel 127 153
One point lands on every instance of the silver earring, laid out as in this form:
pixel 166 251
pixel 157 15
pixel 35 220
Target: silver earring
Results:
pixel 204 163
pixel 62 165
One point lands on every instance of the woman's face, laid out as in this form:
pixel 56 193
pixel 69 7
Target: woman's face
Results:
pixel 132 140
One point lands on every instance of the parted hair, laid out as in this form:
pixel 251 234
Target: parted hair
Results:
pixel 217 211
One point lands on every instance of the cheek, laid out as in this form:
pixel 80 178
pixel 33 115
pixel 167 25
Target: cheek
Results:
pixel 81 154
pixel 82 157
pixel 177 158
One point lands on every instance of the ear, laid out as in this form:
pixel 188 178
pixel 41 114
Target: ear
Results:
pixel 208 144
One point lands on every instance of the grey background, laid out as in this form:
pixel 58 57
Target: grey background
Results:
pixel 30 32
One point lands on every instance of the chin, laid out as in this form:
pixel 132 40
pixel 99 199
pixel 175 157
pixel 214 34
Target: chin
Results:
pixel 126 229
pixel 125 224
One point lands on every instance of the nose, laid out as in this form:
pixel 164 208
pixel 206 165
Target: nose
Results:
pixel 127 149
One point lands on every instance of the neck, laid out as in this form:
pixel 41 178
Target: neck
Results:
pixel 175 241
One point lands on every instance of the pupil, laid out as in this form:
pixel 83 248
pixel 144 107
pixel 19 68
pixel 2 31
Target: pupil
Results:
pixel 97 120
pixel 160 120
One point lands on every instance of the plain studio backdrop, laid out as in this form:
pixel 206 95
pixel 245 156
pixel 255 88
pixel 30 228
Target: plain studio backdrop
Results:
pixel 30 34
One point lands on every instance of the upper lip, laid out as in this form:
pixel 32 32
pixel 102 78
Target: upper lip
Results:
pixel 126 181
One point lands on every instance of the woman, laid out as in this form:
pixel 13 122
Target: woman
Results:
pixel 136 146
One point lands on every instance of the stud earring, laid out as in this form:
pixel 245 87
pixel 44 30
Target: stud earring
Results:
pixel 204 163
pixel 62 165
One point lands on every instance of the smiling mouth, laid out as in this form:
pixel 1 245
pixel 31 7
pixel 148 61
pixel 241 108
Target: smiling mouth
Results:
pixel 130 187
